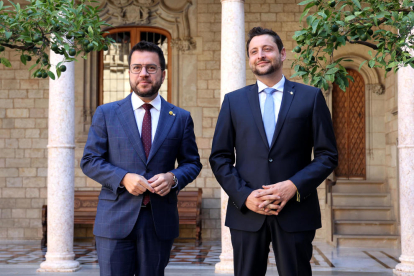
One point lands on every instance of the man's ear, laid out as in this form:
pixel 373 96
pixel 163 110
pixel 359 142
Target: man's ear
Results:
pixel 283 54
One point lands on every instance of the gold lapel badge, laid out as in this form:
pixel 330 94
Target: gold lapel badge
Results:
pixel 171 113
pixel 291 93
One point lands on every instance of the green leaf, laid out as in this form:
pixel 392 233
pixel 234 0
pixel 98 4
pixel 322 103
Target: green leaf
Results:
pixel 300 73
pixel 392 64
pixel 299 33
pixel 360 66
pixel 1 4
pixel 332 71
pixel 371 63
pixel 370 53
pixel 58 72
pixel 23 59
pixel 90 31
pixel 5 62
pixel 315 25
pixel 309 19
pixel 8 34
pixel 51 75
pixel 356 3
pixel 33 66
pixel 305 2
pixel 350 17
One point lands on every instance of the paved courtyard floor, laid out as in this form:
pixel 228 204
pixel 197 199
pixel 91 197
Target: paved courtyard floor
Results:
pixel 187 259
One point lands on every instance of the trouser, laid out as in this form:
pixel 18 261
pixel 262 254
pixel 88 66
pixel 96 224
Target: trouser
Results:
pixel 141 253
pixel 293 250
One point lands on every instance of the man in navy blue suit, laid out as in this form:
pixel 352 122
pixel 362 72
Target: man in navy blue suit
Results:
pixel 261 156
pixel 132 148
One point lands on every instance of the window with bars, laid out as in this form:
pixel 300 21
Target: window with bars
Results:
pixel 113 69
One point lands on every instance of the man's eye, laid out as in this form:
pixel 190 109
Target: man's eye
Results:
pixel 253 52
pixel 267 49
pixel 136 67
pixel 152 67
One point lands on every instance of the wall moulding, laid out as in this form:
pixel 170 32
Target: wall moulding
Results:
pixel 169 15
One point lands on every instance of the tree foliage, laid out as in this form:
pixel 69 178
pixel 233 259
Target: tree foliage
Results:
pixel 383 26
pixel 64 26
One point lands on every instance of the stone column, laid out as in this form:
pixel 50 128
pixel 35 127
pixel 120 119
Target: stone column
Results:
pixel 406 167
pixel 61 172
pixel 233 76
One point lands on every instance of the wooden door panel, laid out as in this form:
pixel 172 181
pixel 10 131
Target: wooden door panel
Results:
pixel 349 125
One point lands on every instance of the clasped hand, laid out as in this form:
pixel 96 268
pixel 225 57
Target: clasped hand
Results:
pixel 272 198
pixel 137 184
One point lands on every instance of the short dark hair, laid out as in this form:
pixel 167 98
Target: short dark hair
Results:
pixel 145 46
pixel 256 31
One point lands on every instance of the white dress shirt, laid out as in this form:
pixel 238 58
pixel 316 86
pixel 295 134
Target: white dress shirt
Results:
pixel 139 113
pixel 277 96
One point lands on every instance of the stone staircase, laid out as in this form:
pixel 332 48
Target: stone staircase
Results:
pixel 363 215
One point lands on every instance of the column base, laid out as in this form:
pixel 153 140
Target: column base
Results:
pixel 225 265
pixel 59 266
pixel 406 267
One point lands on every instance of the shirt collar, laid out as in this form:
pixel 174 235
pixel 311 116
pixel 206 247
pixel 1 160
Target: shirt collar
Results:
pixel 278 86
pixel 137 102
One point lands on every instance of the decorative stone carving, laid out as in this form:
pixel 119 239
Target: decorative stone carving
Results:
pixel 376 88
pixel 185 44
pixel 151 13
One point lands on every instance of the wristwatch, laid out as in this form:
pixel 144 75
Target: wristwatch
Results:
pixel 175 180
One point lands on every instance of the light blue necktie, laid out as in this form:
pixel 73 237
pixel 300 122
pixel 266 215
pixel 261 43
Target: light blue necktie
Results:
pixel 269 120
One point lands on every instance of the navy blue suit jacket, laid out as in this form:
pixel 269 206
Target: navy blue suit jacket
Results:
pixel 114 148
pixel 242 160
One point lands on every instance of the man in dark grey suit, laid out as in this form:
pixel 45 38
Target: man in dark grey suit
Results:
pixel 132 148
pixel 261 156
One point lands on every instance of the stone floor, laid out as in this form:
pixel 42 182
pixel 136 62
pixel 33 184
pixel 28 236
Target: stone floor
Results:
pixel 186 259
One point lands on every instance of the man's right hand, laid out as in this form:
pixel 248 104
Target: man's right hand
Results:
pixel 136 184
pixel 253 202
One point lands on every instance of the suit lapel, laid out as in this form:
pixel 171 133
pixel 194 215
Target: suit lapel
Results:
pixel 253 98
pixel 287 98
pixel 165 123
pixel 129 124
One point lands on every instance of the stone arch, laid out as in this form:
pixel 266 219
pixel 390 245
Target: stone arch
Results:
pixel 170 15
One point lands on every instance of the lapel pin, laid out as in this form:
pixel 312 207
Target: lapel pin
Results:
pixel 291 93
pixel 171 113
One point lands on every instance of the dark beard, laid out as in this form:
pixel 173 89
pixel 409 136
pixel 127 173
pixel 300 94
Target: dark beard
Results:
pixel 155 87
pixel 273 68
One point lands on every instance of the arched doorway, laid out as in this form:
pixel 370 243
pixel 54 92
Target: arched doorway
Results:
pixel 348 114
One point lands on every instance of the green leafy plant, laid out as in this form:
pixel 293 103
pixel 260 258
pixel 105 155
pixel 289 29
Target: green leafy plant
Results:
pixel 63 26
pixel 384 27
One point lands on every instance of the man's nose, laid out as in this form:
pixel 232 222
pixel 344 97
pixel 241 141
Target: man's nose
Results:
pixel 143 71
pixel 261 54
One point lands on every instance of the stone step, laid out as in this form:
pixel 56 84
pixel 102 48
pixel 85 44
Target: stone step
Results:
pixel 358 186
pixel 370 241
pixel 365 227
pixel 361 199
pixel 362 212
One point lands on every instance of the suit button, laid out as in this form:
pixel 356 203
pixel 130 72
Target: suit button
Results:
pixel 270 160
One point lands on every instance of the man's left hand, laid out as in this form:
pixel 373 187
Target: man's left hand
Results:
pixel 162 183
pixel 284 190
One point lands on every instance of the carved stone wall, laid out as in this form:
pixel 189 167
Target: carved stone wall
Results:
pixel 158 13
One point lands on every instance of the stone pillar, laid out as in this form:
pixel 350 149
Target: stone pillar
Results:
pixel 61 172
pixel 406 167
pixel 233 76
